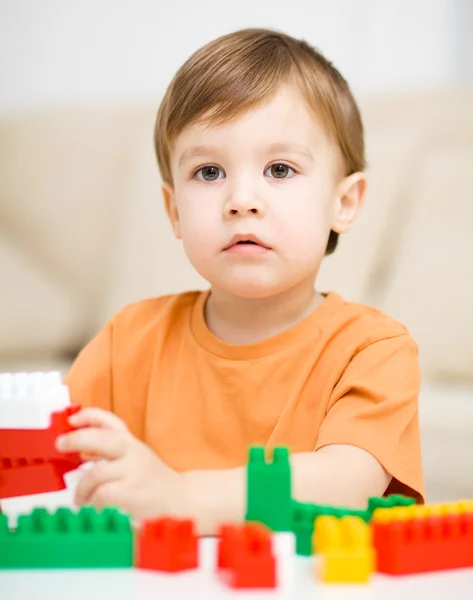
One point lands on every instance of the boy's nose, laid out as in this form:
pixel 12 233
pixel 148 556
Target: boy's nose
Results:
pixel 243 204
pixel 235 211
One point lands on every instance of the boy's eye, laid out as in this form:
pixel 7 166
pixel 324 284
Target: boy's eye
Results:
pixel 209 173
pixel 280 171
pixel 213 173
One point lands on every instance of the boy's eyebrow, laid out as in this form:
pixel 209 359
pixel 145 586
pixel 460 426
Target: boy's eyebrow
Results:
pixel 194 151
pixel 292 148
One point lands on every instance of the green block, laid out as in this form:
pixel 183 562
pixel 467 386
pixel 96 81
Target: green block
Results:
pixel 64 539
pixel 303 517
pixel 303 522
pixel 340 511
pixel 269 489
pixel 387 502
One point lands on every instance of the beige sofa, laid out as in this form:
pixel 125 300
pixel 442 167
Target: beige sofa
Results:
pixel 83 232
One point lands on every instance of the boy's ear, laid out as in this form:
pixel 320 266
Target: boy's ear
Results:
pixel 171 208
pixel 350 198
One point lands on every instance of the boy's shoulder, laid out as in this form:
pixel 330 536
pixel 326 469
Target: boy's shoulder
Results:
pixel 151 311
pixel 364 322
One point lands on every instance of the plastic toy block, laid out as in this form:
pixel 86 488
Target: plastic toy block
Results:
pixel 167 545
pixel 391 501
pixel 29 463
pixel 269 489
pixel 417 539
pixel 340 512
pixel 366 514
pixel 304 516
pixel 20 385
pixel 346 549
pixel 64 539
pixel 227 535
pixel 38 443
pixel 28 399
pixel 21 477
pixel 244 556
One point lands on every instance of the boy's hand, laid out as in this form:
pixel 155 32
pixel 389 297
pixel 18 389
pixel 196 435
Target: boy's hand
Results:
pixel 127 473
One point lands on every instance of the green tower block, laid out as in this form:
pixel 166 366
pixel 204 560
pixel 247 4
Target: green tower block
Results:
pixel 387 502
pixel 65 539
pixel 269 489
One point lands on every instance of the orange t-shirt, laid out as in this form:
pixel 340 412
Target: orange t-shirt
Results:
pixel 346 374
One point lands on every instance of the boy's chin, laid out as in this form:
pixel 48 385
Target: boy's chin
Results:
pixel 248 289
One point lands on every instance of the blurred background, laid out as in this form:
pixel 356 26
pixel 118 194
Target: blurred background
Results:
pixel 82 226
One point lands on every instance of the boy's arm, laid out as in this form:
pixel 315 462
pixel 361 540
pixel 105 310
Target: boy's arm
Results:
pixel 337 474
pixel 130 475
pixel 369 440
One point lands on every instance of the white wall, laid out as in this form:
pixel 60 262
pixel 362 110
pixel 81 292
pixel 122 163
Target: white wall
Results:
pixel 59 53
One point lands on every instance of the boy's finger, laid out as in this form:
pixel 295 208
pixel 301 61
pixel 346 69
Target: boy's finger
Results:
pixel 90 457
pixel 110 493
pixel 97 417
pixel 103 443
pixel 102 472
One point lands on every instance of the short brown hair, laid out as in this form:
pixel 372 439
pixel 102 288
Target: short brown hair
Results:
pixel 239 71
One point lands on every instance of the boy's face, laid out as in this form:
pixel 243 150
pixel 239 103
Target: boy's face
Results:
pixel 272 174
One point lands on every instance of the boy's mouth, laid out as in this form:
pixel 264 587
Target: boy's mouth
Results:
pixel 246 240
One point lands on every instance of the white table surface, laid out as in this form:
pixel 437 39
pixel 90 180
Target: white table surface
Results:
pixel 296 575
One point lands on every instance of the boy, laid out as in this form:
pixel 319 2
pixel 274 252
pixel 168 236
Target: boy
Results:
pixel 260 147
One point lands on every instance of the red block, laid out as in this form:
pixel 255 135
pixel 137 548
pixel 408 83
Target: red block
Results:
pixel 432 543
pixel 38 443
pixel 23 477
pixel 228 536
pixel 166 544
pixel 244 556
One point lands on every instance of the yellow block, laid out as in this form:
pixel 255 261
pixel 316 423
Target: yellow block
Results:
pixel 347 554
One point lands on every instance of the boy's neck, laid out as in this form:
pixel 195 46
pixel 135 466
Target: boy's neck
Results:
pixel 238 320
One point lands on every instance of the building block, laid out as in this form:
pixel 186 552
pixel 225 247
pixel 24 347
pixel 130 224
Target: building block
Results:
pixel 346 549
pixel 305 514
pixel 269 489
pixel 417 539
pixel 38 443
pixel 167 544
pixel 86 539
pixel 340 511
pixel 245 556
pixel 21 477
pixel 303 517
pixel 28 399
pixel 29 462
pixel 21 385
pixel 391 501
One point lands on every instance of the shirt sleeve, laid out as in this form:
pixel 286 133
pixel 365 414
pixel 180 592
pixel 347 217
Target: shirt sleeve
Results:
pixel 374 406
pixel 90 377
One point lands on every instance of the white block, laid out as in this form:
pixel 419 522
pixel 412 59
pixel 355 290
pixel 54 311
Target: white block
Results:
pixel 28 399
